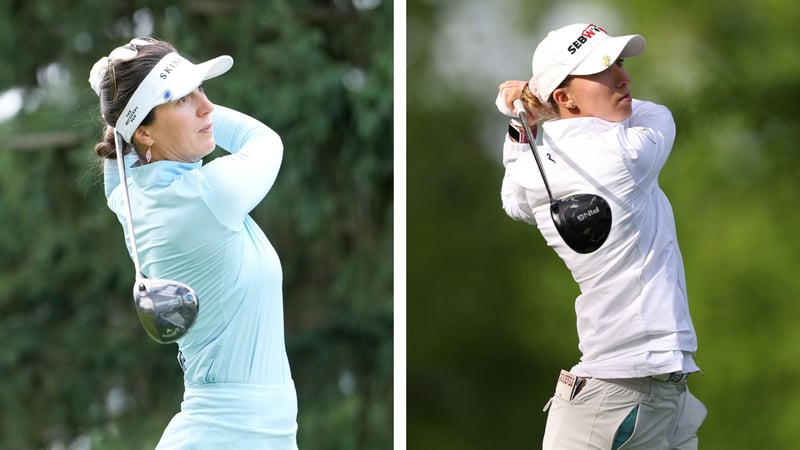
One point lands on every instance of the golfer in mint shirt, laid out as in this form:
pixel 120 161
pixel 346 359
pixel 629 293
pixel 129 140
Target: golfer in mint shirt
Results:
pixel 192 224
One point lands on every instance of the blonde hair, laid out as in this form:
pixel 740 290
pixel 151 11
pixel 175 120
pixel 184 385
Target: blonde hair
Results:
pixel 534 106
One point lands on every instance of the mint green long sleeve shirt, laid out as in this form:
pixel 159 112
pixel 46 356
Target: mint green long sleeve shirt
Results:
pixel 192 224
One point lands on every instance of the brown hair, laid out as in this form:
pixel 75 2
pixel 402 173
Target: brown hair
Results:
pixel 117 87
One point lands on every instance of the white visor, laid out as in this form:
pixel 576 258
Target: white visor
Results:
pixel 172 78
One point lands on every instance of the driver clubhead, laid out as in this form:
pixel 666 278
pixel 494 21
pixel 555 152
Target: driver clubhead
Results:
pixel 166 309
pixel 582 220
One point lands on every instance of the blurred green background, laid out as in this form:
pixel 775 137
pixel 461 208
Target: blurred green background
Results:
pixel 78 371
pixel 490 308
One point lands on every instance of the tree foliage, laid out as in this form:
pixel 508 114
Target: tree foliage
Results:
pixel 491 308
pixel 79 370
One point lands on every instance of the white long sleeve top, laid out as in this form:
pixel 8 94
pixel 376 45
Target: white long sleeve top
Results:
pixel 632 312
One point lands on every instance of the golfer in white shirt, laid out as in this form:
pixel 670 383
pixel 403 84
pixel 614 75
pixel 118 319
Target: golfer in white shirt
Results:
pixel 629 389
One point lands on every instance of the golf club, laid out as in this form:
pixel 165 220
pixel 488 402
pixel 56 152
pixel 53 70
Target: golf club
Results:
pixel 582 220
pixel 166 308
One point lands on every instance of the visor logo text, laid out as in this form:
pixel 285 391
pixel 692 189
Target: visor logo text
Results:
pixel 169 68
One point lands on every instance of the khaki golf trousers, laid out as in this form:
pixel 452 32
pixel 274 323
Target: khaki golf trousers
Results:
pixel 638 413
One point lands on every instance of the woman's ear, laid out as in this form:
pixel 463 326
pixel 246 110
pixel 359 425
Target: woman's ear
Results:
pixel 143 136
pixel 563 99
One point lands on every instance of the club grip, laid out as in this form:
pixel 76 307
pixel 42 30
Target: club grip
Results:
pixel 519 108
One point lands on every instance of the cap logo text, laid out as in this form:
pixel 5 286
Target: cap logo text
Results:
pixel 587 33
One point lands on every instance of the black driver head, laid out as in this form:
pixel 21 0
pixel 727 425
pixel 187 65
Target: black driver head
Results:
pixel 166 308
pixel 582 220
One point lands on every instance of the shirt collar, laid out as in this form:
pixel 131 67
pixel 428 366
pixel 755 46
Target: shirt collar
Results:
pixel 160 173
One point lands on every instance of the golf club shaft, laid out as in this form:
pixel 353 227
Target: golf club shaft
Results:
pixel 531 137
pixel 124 182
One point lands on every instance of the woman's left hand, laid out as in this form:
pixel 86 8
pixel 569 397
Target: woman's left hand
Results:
pixel 508 92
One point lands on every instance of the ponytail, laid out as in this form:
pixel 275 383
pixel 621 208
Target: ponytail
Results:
pixel 107 149
pixel 535 107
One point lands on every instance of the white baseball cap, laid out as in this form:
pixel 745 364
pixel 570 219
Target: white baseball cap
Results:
pixel 170 79
pixel 578 49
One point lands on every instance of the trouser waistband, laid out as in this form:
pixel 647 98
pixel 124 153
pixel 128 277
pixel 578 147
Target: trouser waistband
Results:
pixel 674 377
